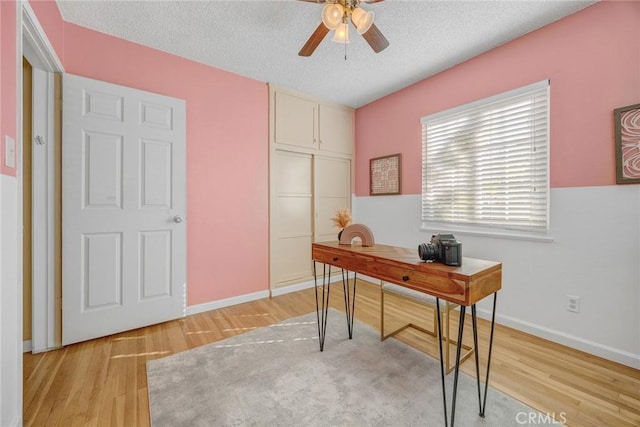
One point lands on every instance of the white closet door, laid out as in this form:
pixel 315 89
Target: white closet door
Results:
pixel 333 192
pixel 123 208
pixel 292 213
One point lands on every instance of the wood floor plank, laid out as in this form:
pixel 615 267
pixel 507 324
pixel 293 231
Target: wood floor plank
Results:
pixel 103 382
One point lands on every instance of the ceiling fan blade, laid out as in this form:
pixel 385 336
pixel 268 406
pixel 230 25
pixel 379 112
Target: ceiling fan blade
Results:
pixel 313 42
pixel 376 40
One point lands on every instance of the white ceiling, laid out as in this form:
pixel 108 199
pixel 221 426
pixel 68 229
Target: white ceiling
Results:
pixel 261 39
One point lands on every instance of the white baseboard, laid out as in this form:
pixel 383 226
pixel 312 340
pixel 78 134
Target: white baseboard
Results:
pixel 292 288
pixel 304 285
pixel 609 353
pixel 213 305
pixel 369 279
pixel 26 346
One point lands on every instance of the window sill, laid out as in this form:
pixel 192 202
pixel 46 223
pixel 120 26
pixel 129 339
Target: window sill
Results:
pixel 484 232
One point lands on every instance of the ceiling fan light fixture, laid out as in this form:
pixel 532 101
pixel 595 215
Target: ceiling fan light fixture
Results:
pixel 341 34
pixel 332 15
pixel 362 19
pixel 337 16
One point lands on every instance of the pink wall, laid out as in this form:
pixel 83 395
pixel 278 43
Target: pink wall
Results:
pixel 227 121
pixel 227 152
pixel 8 79
pixel 51 20
pixel 593 61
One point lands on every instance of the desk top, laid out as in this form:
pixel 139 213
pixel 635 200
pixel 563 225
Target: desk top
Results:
pixel 467 284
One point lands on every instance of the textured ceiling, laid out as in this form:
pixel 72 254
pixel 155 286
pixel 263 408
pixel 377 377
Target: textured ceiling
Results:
pixel 261 39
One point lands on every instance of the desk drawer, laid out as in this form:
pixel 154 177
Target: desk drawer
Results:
pixel 348 262
pixel 440 286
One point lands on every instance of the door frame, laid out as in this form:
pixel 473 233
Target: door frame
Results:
pixel 34 45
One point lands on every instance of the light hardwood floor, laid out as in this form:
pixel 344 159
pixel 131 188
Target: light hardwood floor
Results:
pixel 103 381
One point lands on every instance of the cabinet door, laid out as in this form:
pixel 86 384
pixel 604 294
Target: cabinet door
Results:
pixel 336 129
pixel 295 121
pixel 291 221
pixel 333 192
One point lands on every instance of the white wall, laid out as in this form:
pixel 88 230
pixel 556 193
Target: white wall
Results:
pixel 595 255
pixel 10 307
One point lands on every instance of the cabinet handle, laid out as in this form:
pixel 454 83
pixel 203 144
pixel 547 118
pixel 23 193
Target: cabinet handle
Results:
pixel 314 140
pixel 320 141
pixel 405 278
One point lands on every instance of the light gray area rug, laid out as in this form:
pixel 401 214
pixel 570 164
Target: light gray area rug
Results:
pixel 276 376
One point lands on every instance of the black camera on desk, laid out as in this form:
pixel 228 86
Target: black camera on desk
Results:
pixel 442 248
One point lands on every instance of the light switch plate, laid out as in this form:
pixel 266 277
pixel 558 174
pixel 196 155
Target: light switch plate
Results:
pixel 9 152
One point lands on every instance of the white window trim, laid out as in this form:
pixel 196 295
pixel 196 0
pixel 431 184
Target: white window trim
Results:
pixel 491 99
pixel 439 227
pixel 479 230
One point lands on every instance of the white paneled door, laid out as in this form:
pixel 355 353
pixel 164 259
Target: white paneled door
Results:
pixel 123 209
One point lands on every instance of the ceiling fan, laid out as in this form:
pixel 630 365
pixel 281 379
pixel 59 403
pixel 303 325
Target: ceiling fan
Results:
pixel 336 16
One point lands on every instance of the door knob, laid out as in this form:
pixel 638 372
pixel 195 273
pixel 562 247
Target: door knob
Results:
pixel 178 219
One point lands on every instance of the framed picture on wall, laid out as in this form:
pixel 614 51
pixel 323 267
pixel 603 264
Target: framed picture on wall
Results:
pixel 384 175
pixel 627 132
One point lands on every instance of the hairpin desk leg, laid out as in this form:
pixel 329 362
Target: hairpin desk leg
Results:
pixel 322 306
pixel 444 388
pixel 482 401
pixel 457 370
pixel 457 366
pixel 349 300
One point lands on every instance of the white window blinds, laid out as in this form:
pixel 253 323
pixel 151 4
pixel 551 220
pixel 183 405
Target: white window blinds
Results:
pixel 486 163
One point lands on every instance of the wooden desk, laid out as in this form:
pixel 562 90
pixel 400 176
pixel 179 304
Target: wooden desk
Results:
pixel 464 285
pixel 474 280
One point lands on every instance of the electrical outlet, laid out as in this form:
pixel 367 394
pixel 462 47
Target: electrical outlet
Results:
pixel 9 152
pixel 573 303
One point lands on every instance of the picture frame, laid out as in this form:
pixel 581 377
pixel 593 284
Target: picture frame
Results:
pixel 385 177
pixel 627 141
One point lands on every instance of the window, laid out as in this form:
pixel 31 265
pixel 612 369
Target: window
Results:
pixel 486 163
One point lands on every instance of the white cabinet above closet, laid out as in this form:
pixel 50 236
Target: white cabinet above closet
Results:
pixel 304 122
